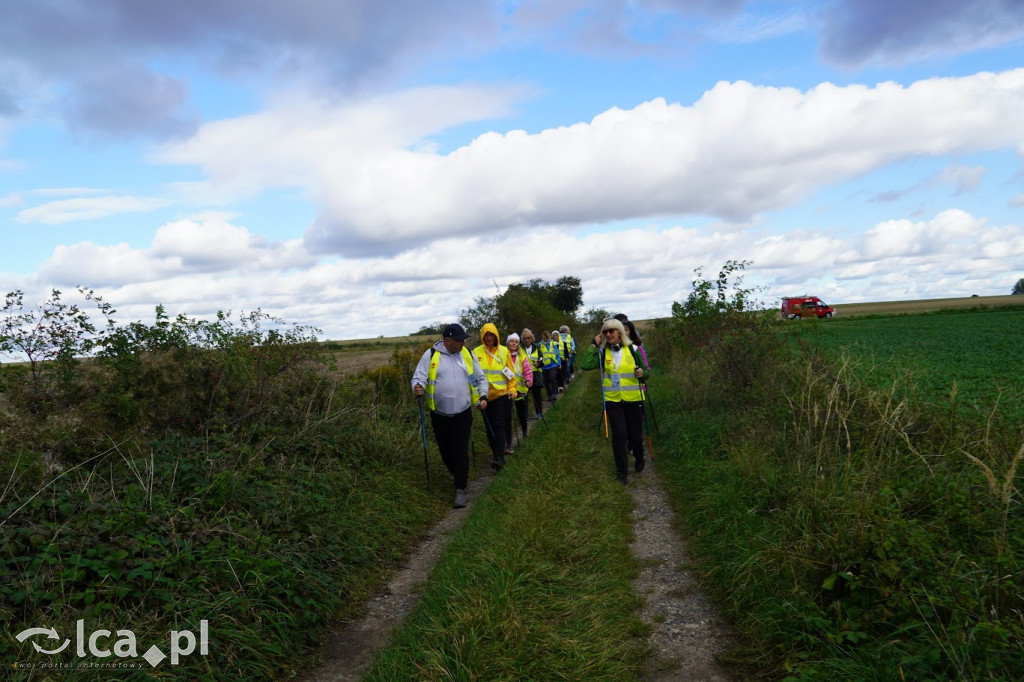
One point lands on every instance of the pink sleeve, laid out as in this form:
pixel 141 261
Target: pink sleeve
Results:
pixel 527 369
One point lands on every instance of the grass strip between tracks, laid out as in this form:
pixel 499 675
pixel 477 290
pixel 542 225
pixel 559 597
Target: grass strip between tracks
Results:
pixel 536 584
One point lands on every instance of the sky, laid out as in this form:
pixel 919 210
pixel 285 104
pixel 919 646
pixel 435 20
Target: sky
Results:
pixel 369 168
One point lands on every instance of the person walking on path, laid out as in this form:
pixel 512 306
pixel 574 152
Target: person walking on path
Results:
pixel 550 361
pixel 532 351
pixel 613 352
pixel 451 381
pixel 570 348
pixel 524 380
pixel 495 361
pixel 634 335
pixel 556 338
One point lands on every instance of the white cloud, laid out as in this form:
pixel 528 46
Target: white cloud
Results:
pixel 183 248
pixel 739 150
pixel 942 234
pixel 67 210
pixel 198 267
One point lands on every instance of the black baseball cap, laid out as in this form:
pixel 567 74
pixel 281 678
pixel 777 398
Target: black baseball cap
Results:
pixel 455 331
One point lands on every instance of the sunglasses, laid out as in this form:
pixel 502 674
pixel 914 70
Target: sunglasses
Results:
pixel 608 331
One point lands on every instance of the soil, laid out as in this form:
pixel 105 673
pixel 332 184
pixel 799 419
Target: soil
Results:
pixel 686 634
pixel 350 650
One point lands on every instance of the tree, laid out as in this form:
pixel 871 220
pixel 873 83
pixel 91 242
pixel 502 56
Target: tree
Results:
pixel 567 295
pixel 595 316
pixel 435 329
pixel 535 304
pixel 484 310
pixel 711 298
pixel 52 331
pixel 1018 288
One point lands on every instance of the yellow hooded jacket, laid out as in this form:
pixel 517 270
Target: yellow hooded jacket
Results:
pixel 499 383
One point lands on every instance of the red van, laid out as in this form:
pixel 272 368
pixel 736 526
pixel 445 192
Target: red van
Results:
pixel 796 307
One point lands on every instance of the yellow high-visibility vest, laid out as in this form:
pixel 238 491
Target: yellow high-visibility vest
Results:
pixel 620 382
pixel 517 367
pixel 492 367
pixel 550 357
pixel 435 359
pixel 535 357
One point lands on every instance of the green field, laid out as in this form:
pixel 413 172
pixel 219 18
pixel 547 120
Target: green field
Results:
pixel 979 352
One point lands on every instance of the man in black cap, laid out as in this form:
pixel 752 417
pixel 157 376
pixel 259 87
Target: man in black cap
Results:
pixel 451 381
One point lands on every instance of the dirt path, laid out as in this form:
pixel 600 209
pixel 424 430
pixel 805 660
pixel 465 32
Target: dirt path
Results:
pixel 686 634
pixel 349 651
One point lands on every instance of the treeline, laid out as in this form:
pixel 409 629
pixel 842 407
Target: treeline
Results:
pixel 535 304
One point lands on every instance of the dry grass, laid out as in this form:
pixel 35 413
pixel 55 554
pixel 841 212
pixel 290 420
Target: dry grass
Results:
pixel 922 306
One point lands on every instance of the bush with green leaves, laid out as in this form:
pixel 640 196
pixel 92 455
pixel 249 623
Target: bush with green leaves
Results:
pixel 208 469
pixel 51 337
pixel 722 321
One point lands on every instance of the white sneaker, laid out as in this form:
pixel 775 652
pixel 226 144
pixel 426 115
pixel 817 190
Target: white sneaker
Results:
pixel 460 499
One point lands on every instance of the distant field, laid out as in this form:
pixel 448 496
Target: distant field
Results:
pixel 355 355
pixel 927 305
pixel 358 354
pixel 980 351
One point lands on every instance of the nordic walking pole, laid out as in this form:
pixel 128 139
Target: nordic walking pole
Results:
pixel 487 423
pixel 647 425
pixel 423 432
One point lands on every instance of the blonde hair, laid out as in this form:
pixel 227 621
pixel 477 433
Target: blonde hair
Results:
pixel 612 323
pixel 526 330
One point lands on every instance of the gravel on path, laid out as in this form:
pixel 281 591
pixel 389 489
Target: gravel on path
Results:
pixel 687 634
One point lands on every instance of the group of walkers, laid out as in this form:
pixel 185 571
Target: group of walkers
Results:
pixel 501 381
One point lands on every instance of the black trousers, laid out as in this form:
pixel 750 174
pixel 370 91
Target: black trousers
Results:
pixel 498 414
pixel 551 382
pixel 535 391
pixel 626 421
pixel 452 436
pixel 520 406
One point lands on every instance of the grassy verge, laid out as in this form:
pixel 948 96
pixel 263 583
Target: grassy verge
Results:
pixel 242 487
pixel 536 584
pixel 850 533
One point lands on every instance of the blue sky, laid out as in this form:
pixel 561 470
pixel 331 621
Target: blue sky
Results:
pixel 372 167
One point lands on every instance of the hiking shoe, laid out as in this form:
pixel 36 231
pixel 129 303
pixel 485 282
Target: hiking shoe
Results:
pixel 639 465
pixel 460 499
pixel 622 479
pixel 497 464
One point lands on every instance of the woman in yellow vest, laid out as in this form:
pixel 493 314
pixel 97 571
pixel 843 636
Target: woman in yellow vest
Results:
pixel 570 351
pixel 520 361
pixel 496 363
pixel 532 351
pixel 563 358
pixel 614 354
pixel 549 362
